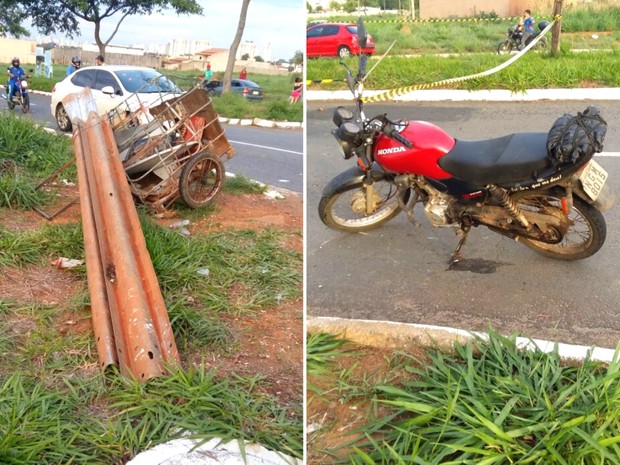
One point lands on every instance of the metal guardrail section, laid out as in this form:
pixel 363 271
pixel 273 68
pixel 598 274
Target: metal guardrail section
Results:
pixel 130 322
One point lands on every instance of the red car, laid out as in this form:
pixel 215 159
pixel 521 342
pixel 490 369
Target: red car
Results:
pixel 335 40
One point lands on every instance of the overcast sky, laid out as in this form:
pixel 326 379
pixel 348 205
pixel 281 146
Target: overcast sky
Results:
pixel 279 22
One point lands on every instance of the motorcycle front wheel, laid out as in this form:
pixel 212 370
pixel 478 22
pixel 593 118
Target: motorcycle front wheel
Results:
pixel 505 47
pixel 586 232
pixel 351 209
pixel 26 103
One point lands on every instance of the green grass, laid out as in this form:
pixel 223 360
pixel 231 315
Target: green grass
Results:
pixel 241 185
pixel 29 155
pixel 55 405
pixel 492 403
pixel 104 420
pixel 78 416
pixel 534 70
pixel 475 47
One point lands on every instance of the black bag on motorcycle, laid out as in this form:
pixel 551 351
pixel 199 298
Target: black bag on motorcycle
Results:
pixel 572 137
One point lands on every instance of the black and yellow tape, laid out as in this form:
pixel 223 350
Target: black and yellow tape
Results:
pixel 442 20
pixel 323 81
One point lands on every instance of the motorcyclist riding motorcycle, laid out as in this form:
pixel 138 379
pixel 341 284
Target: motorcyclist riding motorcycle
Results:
pixel 16 72
pixel 76 62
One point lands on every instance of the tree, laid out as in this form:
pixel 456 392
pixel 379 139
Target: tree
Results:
pixel 259 59
pixel 235 45
pixel 10 19
pixel 50 16
pixel 245 56
pixel 298 59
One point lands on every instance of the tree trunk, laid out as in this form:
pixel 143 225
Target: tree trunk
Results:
pixel 556 29
pixel 233 48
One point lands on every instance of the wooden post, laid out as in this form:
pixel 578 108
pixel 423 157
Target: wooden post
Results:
pixel 556 29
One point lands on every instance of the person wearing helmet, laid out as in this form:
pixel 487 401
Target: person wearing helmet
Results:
pixel 75 65
pixel 16 72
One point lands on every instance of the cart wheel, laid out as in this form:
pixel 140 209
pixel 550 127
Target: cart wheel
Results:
pixel 201 179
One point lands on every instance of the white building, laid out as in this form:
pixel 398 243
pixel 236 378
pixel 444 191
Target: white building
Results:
pixel 248 48
pixel 182 47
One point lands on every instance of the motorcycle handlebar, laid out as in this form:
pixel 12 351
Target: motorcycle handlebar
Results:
pixel 391 132
pixel 402 140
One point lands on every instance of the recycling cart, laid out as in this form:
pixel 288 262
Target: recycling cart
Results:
pixel 172 146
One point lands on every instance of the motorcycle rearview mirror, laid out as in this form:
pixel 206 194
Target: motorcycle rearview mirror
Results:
pixel 361 32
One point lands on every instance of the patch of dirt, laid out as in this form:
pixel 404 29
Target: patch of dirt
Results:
pixel 340 402
pixel 269 343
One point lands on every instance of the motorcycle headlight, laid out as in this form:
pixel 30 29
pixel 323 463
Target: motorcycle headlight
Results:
pixel 24 84
pixel 348 136
pixel 341 115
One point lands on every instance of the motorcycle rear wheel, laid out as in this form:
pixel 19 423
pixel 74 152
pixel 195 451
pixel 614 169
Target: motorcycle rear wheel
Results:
pixel 505 47
pixel 345 210
pixel 586 233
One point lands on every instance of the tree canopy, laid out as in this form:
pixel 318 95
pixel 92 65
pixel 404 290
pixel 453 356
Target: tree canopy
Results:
pixel 11 17
pixel 50 16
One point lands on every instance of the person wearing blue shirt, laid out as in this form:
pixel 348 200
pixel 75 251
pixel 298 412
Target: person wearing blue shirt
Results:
pixel 16 72
pixel 528 26
pixel 75 65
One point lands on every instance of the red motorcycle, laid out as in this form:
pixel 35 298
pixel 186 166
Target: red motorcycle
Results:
pixel 542 189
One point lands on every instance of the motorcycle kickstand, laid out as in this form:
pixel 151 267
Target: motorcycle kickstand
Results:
pixel 456 255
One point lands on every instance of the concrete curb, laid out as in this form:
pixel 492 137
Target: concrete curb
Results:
pixel 394 335
pixel 497 95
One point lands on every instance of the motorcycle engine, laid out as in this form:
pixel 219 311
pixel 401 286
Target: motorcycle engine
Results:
pixel 437 209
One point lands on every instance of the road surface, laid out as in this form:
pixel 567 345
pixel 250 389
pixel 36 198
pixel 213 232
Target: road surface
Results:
pixel 399 272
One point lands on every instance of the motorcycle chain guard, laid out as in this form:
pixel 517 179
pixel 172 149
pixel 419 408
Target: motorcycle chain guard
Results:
pixel 549 227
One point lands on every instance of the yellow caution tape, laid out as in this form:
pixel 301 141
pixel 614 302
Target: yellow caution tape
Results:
pixel 323 81
pixel 390 94
pixel 442 20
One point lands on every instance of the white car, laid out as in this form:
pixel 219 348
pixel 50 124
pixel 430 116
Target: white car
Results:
pixel 110 86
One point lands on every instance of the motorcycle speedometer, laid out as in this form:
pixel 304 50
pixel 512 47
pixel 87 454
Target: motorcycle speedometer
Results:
pixel 342 115
pixel 348 137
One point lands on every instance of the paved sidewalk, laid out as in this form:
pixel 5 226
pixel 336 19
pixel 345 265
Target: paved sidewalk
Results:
pixel 497 95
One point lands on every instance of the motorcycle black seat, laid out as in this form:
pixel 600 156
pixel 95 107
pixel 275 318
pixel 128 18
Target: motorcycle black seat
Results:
pixel 502 160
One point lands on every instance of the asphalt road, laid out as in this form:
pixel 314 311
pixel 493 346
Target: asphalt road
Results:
pixel 399 272
pixel 271 156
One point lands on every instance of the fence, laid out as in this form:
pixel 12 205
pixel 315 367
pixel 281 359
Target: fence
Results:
pixel 62 56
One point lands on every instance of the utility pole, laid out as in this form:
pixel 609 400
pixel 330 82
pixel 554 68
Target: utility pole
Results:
pixel 557 28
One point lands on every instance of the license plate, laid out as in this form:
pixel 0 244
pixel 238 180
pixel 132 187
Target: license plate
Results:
pixel 254 92
pixel 593 179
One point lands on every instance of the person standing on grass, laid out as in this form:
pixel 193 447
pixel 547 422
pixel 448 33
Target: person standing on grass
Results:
pixel 243 74
pixel 208 73
pixel 297 89
pixel 528 27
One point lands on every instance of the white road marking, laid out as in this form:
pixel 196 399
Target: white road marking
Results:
pixel 266 147
pixel 608 154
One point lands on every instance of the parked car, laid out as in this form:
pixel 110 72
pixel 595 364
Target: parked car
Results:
pixel 110 85
pixel 335 40
pixel 249 89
